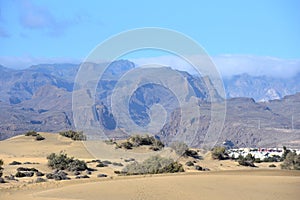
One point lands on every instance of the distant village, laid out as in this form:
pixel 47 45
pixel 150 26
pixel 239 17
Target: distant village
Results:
pixel 259 153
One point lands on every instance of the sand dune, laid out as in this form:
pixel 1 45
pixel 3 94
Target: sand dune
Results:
pixel 227 180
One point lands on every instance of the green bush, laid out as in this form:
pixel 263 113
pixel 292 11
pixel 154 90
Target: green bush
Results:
pixel 62 162
pixel 31 133
pixel 219 153
pixel 153 165
pixel 74 135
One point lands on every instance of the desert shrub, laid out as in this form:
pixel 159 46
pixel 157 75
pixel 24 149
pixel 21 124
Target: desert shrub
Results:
pixel 272 165
pixel 25 169
pixel 40 180
pixel 257 160
pixel 291 161
pixel 15 163
pixel 74 135
pixel 20 174
pixel 126 145
pixel 179 147
pixel 191 153
pixel 82 176
pixel 2 180
pixel 101 175
pixel 139 140
pixel 58 175
pixel 62 162
pixel 117 164
pixel 274 158
pixel 101 165
pixel 129 160
pixel 199 168
pixel 31 133
pixel 39 173
pixel 285 152
pixel 247 161
pixel 219 153
pixel 10 177
pixel 106 162
pixel 39 137
pixel 1 163
pixel 189 163
pixel 153 165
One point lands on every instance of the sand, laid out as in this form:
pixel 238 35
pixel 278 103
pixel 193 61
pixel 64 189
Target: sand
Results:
pixel 227 180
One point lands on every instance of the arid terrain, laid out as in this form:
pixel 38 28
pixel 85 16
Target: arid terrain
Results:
pixel 226 180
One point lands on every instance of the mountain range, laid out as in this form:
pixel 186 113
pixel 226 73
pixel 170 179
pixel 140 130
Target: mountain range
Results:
pixel 40 98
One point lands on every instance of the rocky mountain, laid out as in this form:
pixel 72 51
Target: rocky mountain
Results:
pixel 261 88
pixel 40 98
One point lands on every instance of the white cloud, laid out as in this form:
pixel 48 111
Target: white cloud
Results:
pixel 257 65
pixel 229 65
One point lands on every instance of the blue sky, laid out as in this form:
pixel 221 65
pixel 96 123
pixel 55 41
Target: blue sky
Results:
pixel 69 30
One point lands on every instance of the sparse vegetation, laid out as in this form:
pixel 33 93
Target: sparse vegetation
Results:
pixel 101 175
pixel 58 175
pixel 153 165
pixel 291 161
pixel 20 174
pixel 179 147
pixel 62 162
pixel 189 163
pixel 274 158
pixel 247 161
pixel 31 133
pixel 140 140
pixel 39 137
pixel 126 145
pixel 117 164
pixel 15 163
pixel 101 165
pixel 40 180
pixel 219 153
pixel 74 135
pixel 1 163
pixel 25 169
pixel 182 149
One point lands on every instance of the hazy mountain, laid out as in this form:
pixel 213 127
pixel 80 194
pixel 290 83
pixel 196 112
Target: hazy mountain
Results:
pixel 40 98
pixel 261 88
